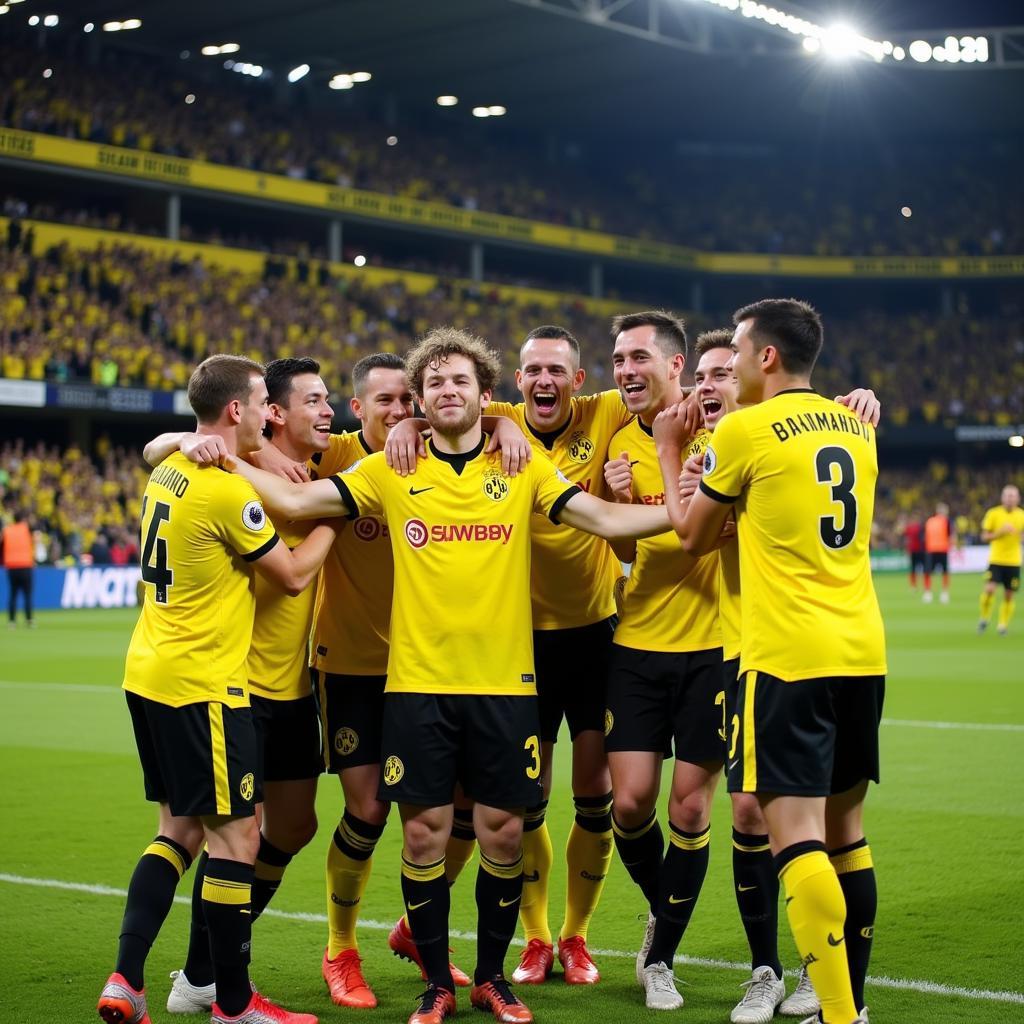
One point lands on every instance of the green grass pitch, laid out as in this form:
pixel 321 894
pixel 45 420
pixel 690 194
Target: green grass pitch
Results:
pixel 945 827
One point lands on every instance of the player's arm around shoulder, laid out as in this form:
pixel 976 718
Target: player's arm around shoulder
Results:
pixel 724 473
pixel 612 520
pixel 319 499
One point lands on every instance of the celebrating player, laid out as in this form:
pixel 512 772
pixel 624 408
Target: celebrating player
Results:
pixel 187 690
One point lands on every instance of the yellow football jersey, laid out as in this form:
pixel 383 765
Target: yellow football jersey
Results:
pixel 200 527
pixel 278 655
pixel 801 471
pixel 352 616
pixel 729 599
pixel 1004 550
pixel 671 599
pixel 460 535
pixel 572 578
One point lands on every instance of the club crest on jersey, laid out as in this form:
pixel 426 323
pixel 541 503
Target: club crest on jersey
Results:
pixel 495 485
pixel 346 741
pixel 416 533
pixel 580 448
pixel 393 770
pixel 247 786
pixel 710 461
pixel 609 721
pixel 253 516
pixel 367 528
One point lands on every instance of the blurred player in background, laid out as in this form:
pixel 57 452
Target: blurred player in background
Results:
pixel 19 561
pixel 187 689
pixel 1001 529
pixel 913 542
pixel 938 537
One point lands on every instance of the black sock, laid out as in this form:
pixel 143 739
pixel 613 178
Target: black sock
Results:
pixel 856 872
pixel 641 851
pixel 227 899
pixel 150 895
pixel 268 872
pixel 462 825
pixel 682 875
pixel 499 888
pixel 757 897
pixel 199 963
pixel 427 902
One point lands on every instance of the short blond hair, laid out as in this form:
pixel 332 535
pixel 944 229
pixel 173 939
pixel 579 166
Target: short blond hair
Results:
pixel 439 344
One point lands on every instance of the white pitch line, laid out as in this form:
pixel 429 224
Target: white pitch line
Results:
pixel 904 984
pixel 978 726
pixel 103 688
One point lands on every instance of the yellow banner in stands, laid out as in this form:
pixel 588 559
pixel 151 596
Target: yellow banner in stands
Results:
pixel 195 174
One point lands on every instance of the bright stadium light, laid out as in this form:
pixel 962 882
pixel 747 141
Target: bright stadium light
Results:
pixel 360 261
pixel 298 73
pixel 4 8
pixel 131 23
pixel 213 49
pixel 392 140
pixel 51 21
pixel 497 110
pixel 481 111
pixel 907 212
pixel 88 26
pixel 920 51
pixel 34 20
pixel 341 82
pixel 447 101
pixel 361 76
pixel 1016 441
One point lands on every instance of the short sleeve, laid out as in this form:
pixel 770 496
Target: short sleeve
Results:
pixel 988 524
pixel 237 514
pixel 551 488
pixel 727 461
pixel 361 486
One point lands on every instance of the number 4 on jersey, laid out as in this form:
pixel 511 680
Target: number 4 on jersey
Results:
pixel 154 550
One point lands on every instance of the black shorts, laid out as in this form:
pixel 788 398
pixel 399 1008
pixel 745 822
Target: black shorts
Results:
pixel 655 697
pixel 489 744
pixel 936 560
pixel 730 707
pixel 572 675
pixel 288 738
pixel 351 717
pixel 814 737
pixel 917 561
pixel 200 759
pixel 1006 576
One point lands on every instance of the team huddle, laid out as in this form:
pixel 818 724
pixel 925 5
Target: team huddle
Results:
pixel 453 587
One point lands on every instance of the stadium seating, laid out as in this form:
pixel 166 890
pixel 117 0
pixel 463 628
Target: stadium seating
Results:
pixel 965 203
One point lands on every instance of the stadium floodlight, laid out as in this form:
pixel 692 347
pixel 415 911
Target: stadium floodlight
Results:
pixel 190 99
pixel 214 49
pixel 361 76
pixel 51 20
pixel 88 26
pixel 298 73
pixel 4 8
pixel 907 212
pixel 360 260
pixel 497 110
pixel 920 51
pixel 341 82
pixel 34 20
pixel 392 140
pixel 898 53
pixel 1016 441
pixel 122 26
pixel 447 101
pixel 481 111
pixel 47 72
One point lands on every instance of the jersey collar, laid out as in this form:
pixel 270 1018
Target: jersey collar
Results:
pixel 460 461
pixel 795 391
pixel 649 431
pixel 549 437
pixel 364 443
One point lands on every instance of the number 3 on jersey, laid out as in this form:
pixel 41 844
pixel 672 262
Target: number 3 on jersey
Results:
pixel 154 550
pixel 834 535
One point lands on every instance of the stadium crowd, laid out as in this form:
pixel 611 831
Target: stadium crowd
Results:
pixel 118 315
pixel 959 205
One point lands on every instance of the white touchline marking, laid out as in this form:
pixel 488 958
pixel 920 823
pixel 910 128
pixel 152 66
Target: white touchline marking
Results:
pixel 904 984
pixel 979 726
pixel 105 688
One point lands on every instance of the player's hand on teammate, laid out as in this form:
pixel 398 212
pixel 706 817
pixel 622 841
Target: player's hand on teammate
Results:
pixel 204 449
pixel 511 442
pixel 618 475
pixel 271 459
pixel 689 477
pixel 863 403
pixel 403 447
pixel 677 425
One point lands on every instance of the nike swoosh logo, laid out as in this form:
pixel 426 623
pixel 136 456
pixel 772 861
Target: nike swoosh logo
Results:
pixel 635 462
pixel 732 764
pixel 685 899
pixel 507 903
pixel 416 906
pixel 835 942
pixel 789 899
pixel 419 490
pixel 746 888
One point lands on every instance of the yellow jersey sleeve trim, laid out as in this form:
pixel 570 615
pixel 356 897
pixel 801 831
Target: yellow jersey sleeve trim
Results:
pixel 254 556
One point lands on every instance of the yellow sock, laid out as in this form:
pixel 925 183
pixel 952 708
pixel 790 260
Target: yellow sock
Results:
pixel 986 605
pixel 817 912
pixel 588 855
pixel 349 859
pixel 538 857
pixel 1005 611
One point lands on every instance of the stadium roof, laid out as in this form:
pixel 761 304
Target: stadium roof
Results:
pixel 565 78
